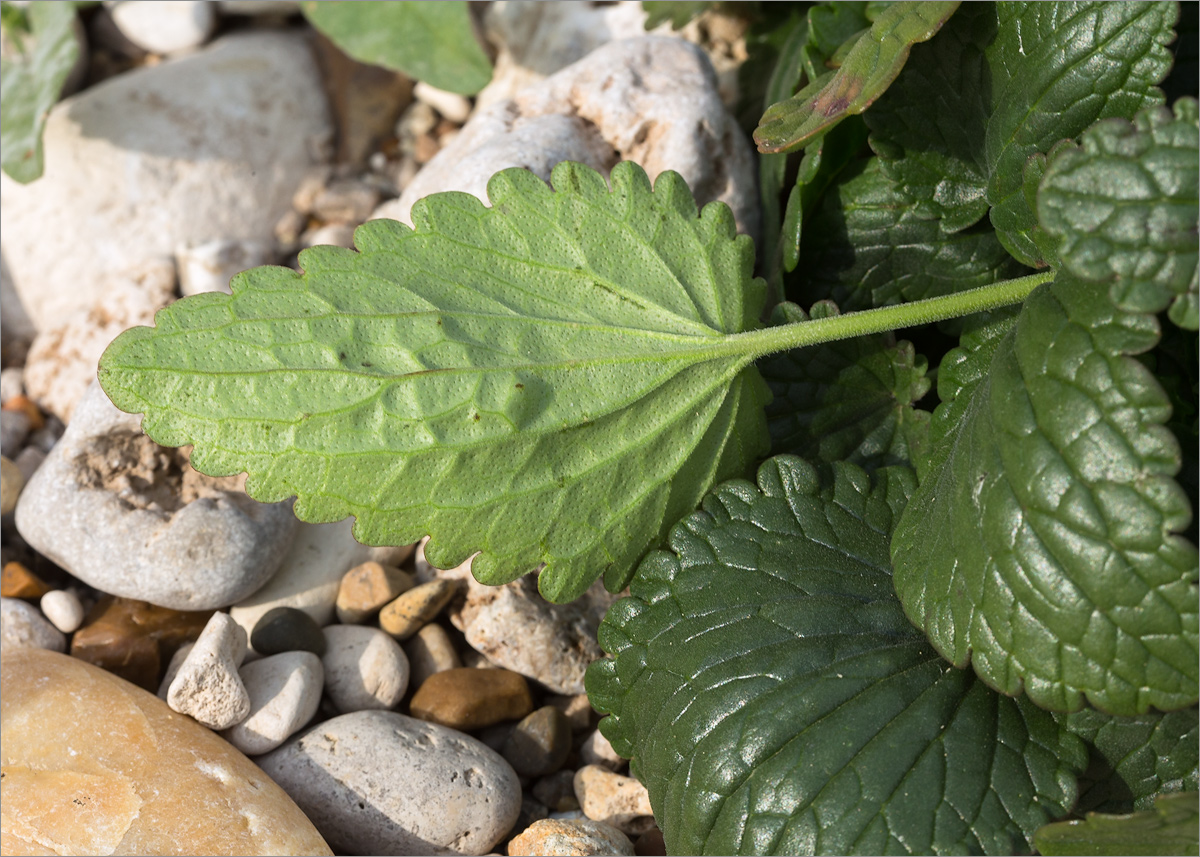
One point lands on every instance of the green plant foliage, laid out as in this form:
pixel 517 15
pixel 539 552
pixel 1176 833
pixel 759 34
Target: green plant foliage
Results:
pixel 545 380
pixel 868 69
pixel 1042 547
pixel 867 246
pixel 46 49
pixel 433 42
pixel 1135 759
pixel 774 699
pixel 1007 81
pixel 846 401
pixel 1123 205
pixel 1172 827
pixel 677 13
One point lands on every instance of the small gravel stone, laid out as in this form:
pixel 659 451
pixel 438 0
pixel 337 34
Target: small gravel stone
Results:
pixel 14 428
pixel 451 105
pixel 430 651
pixel 620 801
pixel 377 782
pixel 207 686
pixel 368 587
pixel 285 690
pixel 364 668
pixel 11 483
pixel 17 581
pixel 552 837
pixel 12 383
pixel 406 615
pixel 287 629
pixel 557 791
pixel 165 27
pixel 345 201
pixel 64 610
pixel 177 661
pixel 468 698
pixel 540 743
pixel 22 626
pixel 596 750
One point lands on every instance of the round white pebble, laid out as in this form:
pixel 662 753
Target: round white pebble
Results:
pixel 63 608
pixel 364 668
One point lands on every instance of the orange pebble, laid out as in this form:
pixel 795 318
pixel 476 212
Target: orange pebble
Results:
pixel 24 403
pixel 17 581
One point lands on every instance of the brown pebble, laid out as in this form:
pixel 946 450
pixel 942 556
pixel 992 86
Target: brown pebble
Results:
pixel 366 588
pixel 651 844
pixel 26 405
pixel 17 581
pixel 430 651
pixel 468 698
pixel 133 639
pixel 416 608
pixel 540 743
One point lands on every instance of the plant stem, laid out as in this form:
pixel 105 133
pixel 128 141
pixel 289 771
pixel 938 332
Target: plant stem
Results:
pixel 758 343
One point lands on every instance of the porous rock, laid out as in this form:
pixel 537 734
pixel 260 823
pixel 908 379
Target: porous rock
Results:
pixel 556 837
pixel 201 148
pixel 130 518
pixel 620 801
pixel 207 685
pixel 149 781
pixel 377 782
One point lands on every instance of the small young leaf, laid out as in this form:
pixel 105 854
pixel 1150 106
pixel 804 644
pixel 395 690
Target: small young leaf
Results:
pixel 866 246
pixel 1124 207
pixel 1171 827
pixel 868 70
pixel 1135 759
pixel 1042 546
pixel 433 42
pixel 849 400
pixel 552 379
pixel 31 83
pixel 775 701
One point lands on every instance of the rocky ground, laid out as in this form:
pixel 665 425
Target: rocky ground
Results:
pixel 283 686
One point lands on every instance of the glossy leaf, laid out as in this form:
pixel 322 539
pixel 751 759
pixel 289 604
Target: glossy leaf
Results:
pixel 1043 545
pixel 547 380
pixel 31 82
pixel 867 71
pixel 1123 206
pixel 433 42
pixel 1171 827
pixel 775 701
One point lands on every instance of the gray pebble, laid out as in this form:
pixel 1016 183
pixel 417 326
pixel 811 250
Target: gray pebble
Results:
pixel 540 743
pixel 23 626
pixel 285 690
pixel 430 651
pixel 364 668
pixel 14 428
pixel 287 629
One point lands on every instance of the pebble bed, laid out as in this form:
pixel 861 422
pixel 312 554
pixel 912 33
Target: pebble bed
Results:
pixel 195 667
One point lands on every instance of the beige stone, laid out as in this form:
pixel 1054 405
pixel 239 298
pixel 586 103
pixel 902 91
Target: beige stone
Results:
pixel 416 608
pixel 620 801
pixel 366 588
pixel 570 837
pixel 94 765
pixel 430 651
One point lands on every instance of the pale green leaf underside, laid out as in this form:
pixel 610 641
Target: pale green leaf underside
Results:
pixel 774 699
pixel 1171 827
pixel 546 380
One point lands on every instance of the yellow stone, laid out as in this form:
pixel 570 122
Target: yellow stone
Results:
pixel 92 764
pixel 417 607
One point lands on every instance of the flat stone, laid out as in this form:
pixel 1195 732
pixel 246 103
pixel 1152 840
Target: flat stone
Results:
pixel 377 782
pixel 133 638
pixel 23 626
pixel 287 629
pixel 17 581
pixel 12 482
pixel 207 686
pixel 412 610
pixel 63 608
pixel 468 698
pixel 167 786
pixel 366 588
pixel 552 837
pixel 285 690
pixel 430 651
pixel 145 163
pixel 364 668
pixel 540 743
pixel 620 801
pixel 128 517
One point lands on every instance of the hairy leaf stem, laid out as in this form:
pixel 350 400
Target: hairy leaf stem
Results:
pixel 799 334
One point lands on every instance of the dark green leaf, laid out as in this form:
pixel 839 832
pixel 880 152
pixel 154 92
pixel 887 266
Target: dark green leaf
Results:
pixel 1042 546
pixel 433 42
pixel 1172 827
pixel 830 25
pixel 775 701
pixel 1135 759
pixel 849 400
pixel 1124 209
pixel 31 82
pixel 866 247
pixel 552 379
pixel 868 70
pixel 677 13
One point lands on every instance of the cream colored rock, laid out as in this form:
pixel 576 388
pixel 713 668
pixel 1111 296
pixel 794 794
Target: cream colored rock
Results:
pixel 553 837
pixel 12 481
pixel 210 266
pixel 152 782
pixel 207 686
pixel 63 608
pixel 430 651
pixel 364 668
pixel 620 801
pixel 164 26
pixel 285 690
